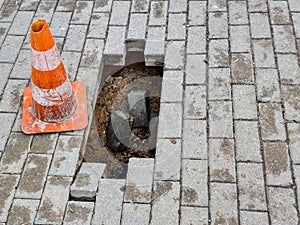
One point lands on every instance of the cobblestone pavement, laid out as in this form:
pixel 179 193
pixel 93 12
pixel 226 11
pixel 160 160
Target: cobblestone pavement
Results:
pixel 228 149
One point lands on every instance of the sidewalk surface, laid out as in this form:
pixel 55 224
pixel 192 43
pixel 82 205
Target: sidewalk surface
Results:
pixel 228 149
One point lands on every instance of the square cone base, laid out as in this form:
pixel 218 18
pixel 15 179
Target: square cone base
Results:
pixel 78 120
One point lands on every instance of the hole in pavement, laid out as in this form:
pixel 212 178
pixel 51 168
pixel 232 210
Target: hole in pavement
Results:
pixel 125 118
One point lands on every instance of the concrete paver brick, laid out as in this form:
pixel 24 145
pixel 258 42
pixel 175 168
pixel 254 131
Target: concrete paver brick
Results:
pixel 136 214
pixel 34 176
pixel 220 119
pixel 294 6
pixel 65 5
pixel 29 5
pixel 109 199
pixel 196 40
pixel 296 21
pixel 294 141
pixel 10 48
pixel 291 98
pixel 22 67
pixel 195 70
pixel 277 163
pixel 223 203
pixel 247 141
pixel 139 180
pixel 194 141
pixel 219 84
pixel 165 203
pixel 167 159
pixel 172 86
pixel 23 211
pixel 82 12
pixel 218 53
pixel 258 6
pixel 239 39
pixel 15 153
pixel 194 183
pixel 217 5
pixel 253 218
pixel 7 120
pixel 242 68
pixel 244 102
pixel 86 181
pixel 296 170
pixel 195 102
pixel 237 12
pixel 218 25
pixel 21 23
pixel 75 38
pixel 60 23
pixel 43 143
pixel 98 25
pixel 140 5
pixel 267 85
pixel 120 12
pixel 259 25
pixel 289 69
pixel 92 53
pixel 8 11
pixel 158 13
pixel 71 63
pixel 45 10
pixel 222 160
pixel 282 206
pixel 271 122
pixel 284 40
pixel 251 186
pixel 177 26
pixel 102 5
pixel 174 58
pixel 197 13
pixel 194 215
pixel 178 5
pixel 263 53
pixel 5 71
pixel 4 29
pixel 52 206
pixel 279 12
pixel 8 184
pixel 137 32
pixel 79 213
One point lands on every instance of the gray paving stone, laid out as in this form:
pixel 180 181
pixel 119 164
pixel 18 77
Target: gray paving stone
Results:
pixel 79 213
pixel 82 12
pixel 223 203
pixel 10 48
pixel 167 159
pixel 139 180
pixel 136 32
pixel 66 156
pixel 86 181
pixel 284 40
pixel 98 25
pixel 267 85
pixel 102 5
pixel 15 153
pixel 155 46
pixel 29 5
pixel 197 13
pixel 43 143
pixel 136 214
pixel 294 141
pixel 166 197
pixel 239 39
pixel 140 5
pixel 218 25
pixel 75 38
pixel 194 183
pixel 289 69
pixel 279 12
pixel 282 206
pixel 8 184
pixel 277 163
pixel 247 141
pixel 195 70
pixel 71 63
pixel 193 215
pixel 237 12
pixel 109 199
pixel 219 84
pixel 291 98
pixel 296 170
pixel 60 23
pixel 222 160
pixel 196 40
pixel 115 51
pixel 218 53
pixel 5 71
pixel 296 21
pixel 195 102
pixel 259 25
pixel 92 53
pixel 52 206
pixel 7 120
pixel 177 26
pixel 158 13
pixel 23 211
pixel 34 176
pixel 220 119
pixel 178 5
pixel 8 11
pixel 271 122
pixel 251 186
pixel 242 68
pixel 22 67
pixel 194 141
pixel 244 102
pixel 45 10
pixel 217 5
pixel 258 6
pixel 174 58
pixel 3 28
pixel 120 12
pixel 294 6
pixel 253 218
pixel 172 86
pixel 21 23
pixel 263 53
pixel 65 5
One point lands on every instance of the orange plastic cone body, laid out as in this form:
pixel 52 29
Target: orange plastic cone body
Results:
pixel 52 103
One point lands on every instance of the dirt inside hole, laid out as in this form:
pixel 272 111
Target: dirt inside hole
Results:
pixel 113 96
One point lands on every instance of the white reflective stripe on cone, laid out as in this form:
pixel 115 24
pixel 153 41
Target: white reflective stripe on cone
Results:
pixel 45 61
pixel 51 97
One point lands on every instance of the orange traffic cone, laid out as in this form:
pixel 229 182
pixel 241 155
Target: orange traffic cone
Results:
pixel 52 103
